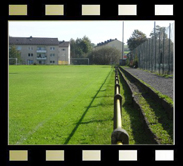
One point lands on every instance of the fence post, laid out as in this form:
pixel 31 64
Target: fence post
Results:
pixel 173 47
pixel 155 44
pixel 143 46
pixel 149 53
pixel 163 48
pixel 169 50
pixel 159 53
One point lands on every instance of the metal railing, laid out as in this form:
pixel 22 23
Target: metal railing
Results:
pixel 119 136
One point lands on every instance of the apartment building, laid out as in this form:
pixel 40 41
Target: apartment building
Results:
pixel 41 50
pixel 64 52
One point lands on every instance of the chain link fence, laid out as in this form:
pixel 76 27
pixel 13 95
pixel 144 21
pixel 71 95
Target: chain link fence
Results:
pixel 156 54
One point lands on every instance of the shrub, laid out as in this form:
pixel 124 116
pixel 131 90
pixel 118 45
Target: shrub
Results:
pixel 105 56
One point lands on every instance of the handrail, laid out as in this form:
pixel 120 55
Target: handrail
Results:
pixel 119 135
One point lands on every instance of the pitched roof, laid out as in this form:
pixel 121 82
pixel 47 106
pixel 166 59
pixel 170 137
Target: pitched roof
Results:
pixel 63 44
pixel 33 41
pixel 106 42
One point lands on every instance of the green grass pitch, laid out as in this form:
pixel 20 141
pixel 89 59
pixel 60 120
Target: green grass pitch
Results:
pixel 58 105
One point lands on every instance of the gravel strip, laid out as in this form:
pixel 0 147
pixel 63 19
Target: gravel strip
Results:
pixel 162 84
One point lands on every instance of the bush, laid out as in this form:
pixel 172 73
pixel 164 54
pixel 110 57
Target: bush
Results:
pixel 135 64
pixel 105 56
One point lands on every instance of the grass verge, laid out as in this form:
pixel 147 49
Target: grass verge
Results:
pixel 157 118
pixel 131 119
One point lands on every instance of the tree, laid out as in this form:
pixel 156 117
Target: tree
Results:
pixel 81 47
pixel 105 56
pixel 86 45
pixel 160 33
pixel 163 41
pixel 136 39
pixel 14 53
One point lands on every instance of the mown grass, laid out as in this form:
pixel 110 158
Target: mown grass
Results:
pixel 60 104
pixel 158 120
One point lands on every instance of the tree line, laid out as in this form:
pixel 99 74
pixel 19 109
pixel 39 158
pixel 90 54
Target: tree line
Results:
pixel 84 48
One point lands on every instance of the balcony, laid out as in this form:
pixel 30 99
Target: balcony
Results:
pixel 41 57
pixel 41 51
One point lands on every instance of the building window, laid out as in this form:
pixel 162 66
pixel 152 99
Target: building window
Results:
pixel 52 61
pixel 41 48
pixel 52 54
pixel 19 47
pixel 52 48
pixel 30 62
pixel 30 48
pixel 30 55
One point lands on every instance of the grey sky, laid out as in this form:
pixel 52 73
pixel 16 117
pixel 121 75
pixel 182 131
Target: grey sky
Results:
pixel 97 31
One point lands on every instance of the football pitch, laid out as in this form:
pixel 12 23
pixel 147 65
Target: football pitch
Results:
pixel 56 105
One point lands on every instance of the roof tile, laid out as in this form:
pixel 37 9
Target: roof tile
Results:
pixel 32 41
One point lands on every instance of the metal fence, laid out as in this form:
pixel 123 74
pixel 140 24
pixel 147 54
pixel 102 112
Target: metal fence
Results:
pixel 156 54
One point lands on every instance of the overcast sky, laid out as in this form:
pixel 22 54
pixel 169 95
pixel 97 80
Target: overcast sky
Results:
pixel 96 31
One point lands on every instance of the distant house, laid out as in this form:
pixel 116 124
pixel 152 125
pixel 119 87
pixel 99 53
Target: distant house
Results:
pixel 114 43
pixel 41 50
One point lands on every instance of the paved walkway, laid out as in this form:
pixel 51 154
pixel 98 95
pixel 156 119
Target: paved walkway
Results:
pixel 162 84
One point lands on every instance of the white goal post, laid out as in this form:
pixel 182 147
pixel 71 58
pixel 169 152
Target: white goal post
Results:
pixel 81 58
pixel 15 59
